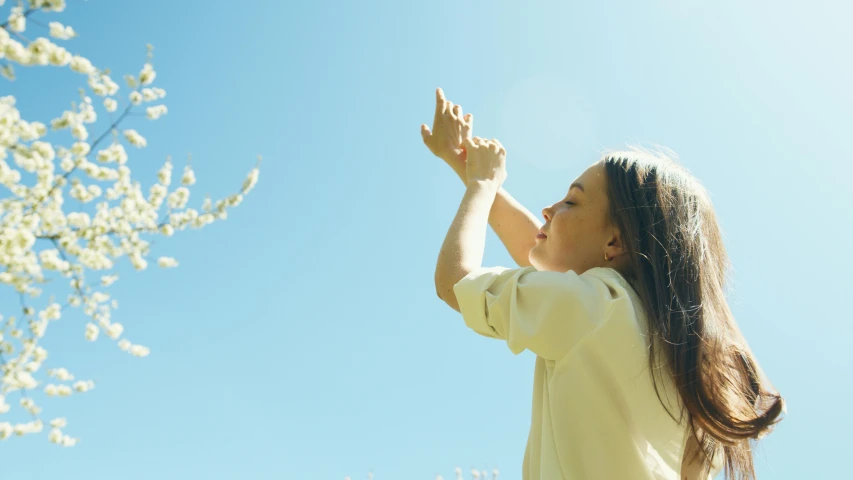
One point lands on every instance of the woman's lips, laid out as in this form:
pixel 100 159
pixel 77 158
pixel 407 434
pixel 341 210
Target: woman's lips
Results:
pixel 541 235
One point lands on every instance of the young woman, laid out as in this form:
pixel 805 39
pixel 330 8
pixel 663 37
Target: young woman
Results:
pixel 641 371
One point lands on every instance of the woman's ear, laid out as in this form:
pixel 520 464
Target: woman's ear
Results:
pixel 615 246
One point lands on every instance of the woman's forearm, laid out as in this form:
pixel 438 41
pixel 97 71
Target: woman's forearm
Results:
pixel 515 225
pixel 465 243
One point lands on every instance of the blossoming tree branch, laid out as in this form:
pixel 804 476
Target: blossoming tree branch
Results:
pixel 43 243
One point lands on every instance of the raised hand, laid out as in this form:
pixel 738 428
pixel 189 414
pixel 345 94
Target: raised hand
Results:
pixel 445 138
pixel 486 160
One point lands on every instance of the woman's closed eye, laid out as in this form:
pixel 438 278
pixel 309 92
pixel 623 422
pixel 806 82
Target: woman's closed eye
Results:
pixel 569 203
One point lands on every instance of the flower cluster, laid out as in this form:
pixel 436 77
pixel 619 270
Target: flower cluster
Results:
pixel 40 237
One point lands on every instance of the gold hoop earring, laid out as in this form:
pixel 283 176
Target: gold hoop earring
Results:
pixel 605 257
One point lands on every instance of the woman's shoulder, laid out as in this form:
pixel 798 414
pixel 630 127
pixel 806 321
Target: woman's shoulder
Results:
pixel 615 281
pixel 625 301
pixel 605 284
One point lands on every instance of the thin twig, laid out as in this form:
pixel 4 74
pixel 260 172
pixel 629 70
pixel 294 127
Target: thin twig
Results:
pixel 38 23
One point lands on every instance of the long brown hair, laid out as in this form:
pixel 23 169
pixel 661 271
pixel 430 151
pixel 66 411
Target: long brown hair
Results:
pixel 678 265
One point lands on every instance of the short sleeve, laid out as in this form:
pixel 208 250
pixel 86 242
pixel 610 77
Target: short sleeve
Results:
pixel 544 312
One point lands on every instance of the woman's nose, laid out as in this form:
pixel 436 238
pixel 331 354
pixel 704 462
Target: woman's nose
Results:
pixel 546 213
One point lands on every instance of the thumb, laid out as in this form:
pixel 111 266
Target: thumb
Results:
pixel 425 133
pixel 468 124
pixel 467 128
pixel 467 142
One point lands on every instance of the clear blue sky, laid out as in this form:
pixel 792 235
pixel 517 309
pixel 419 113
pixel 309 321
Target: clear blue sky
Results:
pixel 302 337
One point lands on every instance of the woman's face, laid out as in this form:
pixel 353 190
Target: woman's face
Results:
pixel 577 233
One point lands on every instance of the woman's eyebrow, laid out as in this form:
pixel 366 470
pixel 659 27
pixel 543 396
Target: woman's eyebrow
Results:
pixel 578 185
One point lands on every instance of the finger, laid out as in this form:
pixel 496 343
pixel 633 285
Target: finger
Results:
pixel 457 111
pixel 467 127
pixel 501 149
pixel 425 133
pixel 468 142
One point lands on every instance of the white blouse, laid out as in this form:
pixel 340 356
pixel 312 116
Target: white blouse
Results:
pixel 595 411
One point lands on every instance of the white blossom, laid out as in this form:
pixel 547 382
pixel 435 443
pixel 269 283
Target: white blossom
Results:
pixel 58 423
pixel 156 111
pixel 52 312
pixel 17 52
pixel 167 262
pixel 40 354
pixel 80 149
pixel 19 380
pixel 110 104
pixel 147 75
pixel 81 65
pixel 113 153
pixel 84 386
pixel 139 351
pixel 139 263
pixel 110 84
pixel 189 176
pixel 135 138
pixel 80 132
pixel 57 30
pixel 51 5
pixel 178 198
pixel 29 427
pixel 92 332
pixel 250 181
pixel 17 22
pixel 9 73
pixel 59 56
pixel 60 374
pixel 40 50
pixel 114 330
pixel 30 406
pixel 164 175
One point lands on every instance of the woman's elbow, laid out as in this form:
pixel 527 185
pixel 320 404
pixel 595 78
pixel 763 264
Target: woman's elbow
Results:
pixel 442 290
pixel 443 282
pixel 447 295
pixel 451 302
